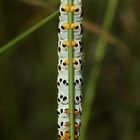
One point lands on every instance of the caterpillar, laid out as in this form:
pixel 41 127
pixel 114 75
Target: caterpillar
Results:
pixel 62 79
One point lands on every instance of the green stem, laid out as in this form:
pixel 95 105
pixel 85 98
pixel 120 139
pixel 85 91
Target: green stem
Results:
pixel 129 129
pixel 98 59
pixel 71 77
pixel 26 33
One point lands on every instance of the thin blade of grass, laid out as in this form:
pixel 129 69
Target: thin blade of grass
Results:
pixel 95 73
pixel 26 33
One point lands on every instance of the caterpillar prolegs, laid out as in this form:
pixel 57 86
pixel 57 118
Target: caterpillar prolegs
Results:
pixel 63 62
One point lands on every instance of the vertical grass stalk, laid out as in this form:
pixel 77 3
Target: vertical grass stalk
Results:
pixel 98 58
pixel 71 77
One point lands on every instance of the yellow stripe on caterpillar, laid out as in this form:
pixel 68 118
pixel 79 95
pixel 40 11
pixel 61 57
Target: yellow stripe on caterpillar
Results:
pixel 67 124
pixel 70 43
pixel 67 62
pixel 68 26
pixel 76 112
pixel 69 8
pixel 66 136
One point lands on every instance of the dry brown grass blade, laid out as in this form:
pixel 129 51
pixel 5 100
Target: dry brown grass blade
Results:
pixel 39 4
pixel 121 46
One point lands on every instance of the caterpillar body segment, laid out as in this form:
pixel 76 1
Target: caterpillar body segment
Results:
pixel 63 111
pixel 63 46
pixel 63 83
pixel 78 2
pixel 64 99
pixel 63 65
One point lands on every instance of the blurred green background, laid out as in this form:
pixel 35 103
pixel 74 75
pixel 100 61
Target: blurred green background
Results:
pixel 28 72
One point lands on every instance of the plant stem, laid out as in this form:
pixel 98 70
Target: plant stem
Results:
pixel 71 77
pixel 98 58
pixel 129 129
pixel 26 33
